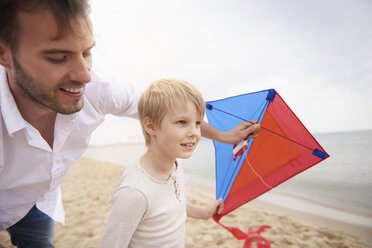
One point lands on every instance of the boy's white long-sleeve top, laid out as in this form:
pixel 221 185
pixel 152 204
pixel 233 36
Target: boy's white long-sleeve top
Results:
pixel 30 170
pixel 147 212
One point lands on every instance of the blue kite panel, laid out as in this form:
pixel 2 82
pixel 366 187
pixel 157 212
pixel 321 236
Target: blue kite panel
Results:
pixel 224 115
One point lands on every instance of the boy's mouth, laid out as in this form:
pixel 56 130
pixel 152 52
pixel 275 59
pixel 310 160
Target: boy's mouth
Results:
pixel 188 144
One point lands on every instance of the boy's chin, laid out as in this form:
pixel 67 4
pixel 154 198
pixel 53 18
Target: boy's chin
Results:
pixel 185 156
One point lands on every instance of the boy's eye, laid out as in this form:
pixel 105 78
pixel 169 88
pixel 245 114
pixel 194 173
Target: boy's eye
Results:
pixel 181 122
pixel 87 54
pixel 198 123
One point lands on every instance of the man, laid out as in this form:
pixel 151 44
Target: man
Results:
pixel 51 100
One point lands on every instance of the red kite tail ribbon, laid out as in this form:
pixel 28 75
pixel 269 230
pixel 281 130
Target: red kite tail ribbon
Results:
pixel 249 236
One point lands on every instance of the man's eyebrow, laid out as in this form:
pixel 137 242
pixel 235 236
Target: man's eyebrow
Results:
pixel 56 51
pixel 59 51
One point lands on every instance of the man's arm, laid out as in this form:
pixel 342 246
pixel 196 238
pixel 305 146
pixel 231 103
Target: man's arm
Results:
pixel 233 136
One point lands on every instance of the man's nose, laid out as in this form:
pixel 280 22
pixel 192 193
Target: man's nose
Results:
pixel 81 71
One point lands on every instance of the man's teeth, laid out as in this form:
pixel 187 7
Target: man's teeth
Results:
pixel 73 90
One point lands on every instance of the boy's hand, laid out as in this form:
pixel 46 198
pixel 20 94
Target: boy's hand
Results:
pixel 215 207
pixel 246 129
pixel 243 130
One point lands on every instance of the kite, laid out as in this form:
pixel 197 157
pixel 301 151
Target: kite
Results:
pixel 244 171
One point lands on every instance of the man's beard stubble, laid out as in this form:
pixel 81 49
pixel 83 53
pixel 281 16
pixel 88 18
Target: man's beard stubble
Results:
pixel 33 90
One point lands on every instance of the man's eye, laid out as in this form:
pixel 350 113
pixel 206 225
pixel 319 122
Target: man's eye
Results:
pixel 57 60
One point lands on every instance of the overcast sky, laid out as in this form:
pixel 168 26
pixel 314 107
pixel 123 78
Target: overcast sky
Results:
pixel 316 54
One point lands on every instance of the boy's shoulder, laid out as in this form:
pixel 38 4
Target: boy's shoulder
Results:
pixel 130 176
pixel 136 178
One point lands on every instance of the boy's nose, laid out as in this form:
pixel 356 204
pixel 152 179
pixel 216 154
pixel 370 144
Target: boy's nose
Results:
pixel 194 131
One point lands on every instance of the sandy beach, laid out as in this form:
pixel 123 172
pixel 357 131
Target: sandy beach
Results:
pixel 87 192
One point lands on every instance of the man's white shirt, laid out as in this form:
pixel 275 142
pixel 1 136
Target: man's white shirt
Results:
pixel 31 171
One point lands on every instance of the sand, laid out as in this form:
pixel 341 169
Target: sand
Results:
pixel 87 191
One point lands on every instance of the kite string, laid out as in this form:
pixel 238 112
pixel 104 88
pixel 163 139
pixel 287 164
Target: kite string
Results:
pixel 263 181
pixel 258 175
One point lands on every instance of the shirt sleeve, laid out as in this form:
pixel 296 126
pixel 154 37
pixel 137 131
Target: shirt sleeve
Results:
pixel 128 208
pixel 112 93
pixel 1 144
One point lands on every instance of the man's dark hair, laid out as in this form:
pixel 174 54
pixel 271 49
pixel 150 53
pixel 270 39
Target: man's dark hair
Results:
pixel 64 12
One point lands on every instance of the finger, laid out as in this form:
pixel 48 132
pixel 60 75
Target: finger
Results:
pixel 215 204
pixel 250 123
pixel 219 203
pixel 254 128
pixel 246 124
pixel 220 208
pixel 253 131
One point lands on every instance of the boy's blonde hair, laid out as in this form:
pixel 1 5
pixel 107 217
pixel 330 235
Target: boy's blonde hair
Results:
pixel 159 98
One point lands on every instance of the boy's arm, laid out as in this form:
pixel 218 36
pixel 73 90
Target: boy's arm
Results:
pixel 124 218
pixel 233 136
pixel 215 207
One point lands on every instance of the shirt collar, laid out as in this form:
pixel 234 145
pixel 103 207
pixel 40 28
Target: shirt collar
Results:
pixel 11 116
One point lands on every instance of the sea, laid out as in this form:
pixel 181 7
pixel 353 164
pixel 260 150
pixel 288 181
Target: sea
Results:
pixel 339 187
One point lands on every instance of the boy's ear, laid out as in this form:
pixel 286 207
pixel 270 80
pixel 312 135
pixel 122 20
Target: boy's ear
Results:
pixel 148 125
pixel 5 56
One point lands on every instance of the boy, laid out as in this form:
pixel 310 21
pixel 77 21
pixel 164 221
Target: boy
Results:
pixel 149 205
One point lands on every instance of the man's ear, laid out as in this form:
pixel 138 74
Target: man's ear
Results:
pixel 5 56
pixel 149 126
